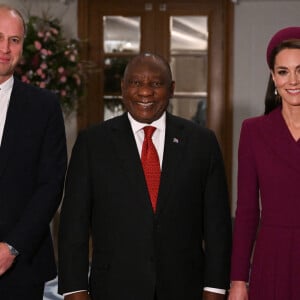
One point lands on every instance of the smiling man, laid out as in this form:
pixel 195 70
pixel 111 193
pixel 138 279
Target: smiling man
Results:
pixel 148 235
pixel 33 161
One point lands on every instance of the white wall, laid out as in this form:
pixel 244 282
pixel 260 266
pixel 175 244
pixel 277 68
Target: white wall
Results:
pixel 255 22
pixel 64 10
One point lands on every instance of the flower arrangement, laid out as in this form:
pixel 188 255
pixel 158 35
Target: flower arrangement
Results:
pixel 51 61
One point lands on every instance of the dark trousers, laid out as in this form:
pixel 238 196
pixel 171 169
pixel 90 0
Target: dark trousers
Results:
pixel 17 292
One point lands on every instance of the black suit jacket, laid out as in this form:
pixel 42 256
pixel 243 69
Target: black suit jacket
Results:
pixel 135 251
pixel 33 161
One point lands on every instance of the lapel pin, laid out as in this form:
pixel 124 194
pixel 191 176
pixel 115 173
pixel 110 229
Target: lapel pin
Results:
pixel 175 140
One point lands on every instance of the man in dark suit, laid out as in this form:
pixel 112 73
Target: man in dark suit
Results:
pixel 170 250
pixel 33 162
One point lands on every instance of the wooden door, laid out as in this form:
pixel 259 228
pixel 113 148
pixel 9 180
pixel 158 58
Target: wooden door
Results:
pixel 152 22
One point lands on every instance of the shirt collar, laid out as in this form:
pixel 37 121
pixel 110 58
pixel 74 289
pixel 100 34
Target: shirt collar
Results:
pixel 8 84
pixel 159 124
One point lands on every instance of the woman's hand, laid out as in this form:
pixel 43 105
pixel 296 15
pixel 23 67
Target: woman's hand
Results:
pixel 238 291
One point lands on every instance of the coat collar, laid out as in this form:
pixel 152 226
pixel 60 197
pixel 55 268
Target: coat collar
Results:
pixel 175 143
pixel 12 123
pixel 279 138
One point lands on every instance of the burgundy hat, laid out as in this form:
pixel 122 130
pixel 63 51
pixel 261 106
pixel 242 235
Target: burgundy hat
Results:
pixel 288 33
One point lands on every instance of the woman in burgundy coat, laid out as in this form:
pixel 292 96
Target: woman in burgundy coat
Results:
pixel 268 207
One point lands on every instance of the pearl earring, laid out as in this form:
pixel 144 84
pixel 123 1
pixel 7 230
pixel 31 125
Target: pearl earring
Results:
pixel 275 92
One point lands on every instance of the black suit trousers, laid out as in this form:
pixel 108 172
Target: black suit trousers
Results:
pixel 31 292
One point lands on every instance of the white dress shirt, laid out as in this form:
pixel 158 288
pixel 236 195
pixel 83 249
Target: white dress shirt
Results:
pixel 5 92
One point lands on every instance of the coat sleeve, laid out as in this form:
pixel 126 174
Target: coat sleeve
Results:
pixel 47 182
pixel 73 249
pixel 248 211
pixel 217 222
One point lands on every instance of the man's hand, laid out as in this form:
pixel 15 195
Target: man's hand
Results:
pixel 212 296
pixel 78 296
pixel 6 258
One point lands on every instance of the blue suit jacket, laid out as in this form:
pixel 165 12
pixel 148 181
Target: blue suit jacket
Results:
pixel 136 252
pixel 33 161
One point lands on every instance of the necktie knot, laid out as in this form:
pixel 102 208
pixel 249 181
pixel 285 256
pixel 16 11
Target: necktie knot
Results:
pixel 149 130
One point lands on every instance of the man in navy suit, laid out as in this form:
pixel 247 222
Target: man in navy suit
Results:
pixel 178 251
pixel 33 162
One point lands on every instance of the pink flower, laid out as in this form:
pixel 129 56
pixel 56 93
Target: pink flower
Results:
pixel 72 57
pixel 63 93
pixel 25 79
pixel 40 73
pixel 54 31
pixel 44 66
pixel 63 79
pixel 61 70
pixel 44 52
pixel 37 45
pixel 42 84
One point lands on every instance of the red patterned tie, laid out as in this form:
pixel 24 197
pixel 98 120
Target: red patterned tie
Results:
pixel 150 162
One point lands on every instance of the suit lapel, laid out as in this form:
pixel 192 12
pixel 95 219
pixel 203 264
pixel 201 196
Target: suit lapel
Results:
pixel 175 142
pixel 11 127
pixel 127 153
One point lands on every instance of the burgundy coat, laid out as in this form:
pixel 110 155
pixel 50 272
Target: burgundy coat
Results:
pixel 268 185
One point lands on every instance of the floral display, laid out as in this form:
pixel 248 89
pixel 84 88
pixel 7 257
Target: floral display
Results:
pixel 51 61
